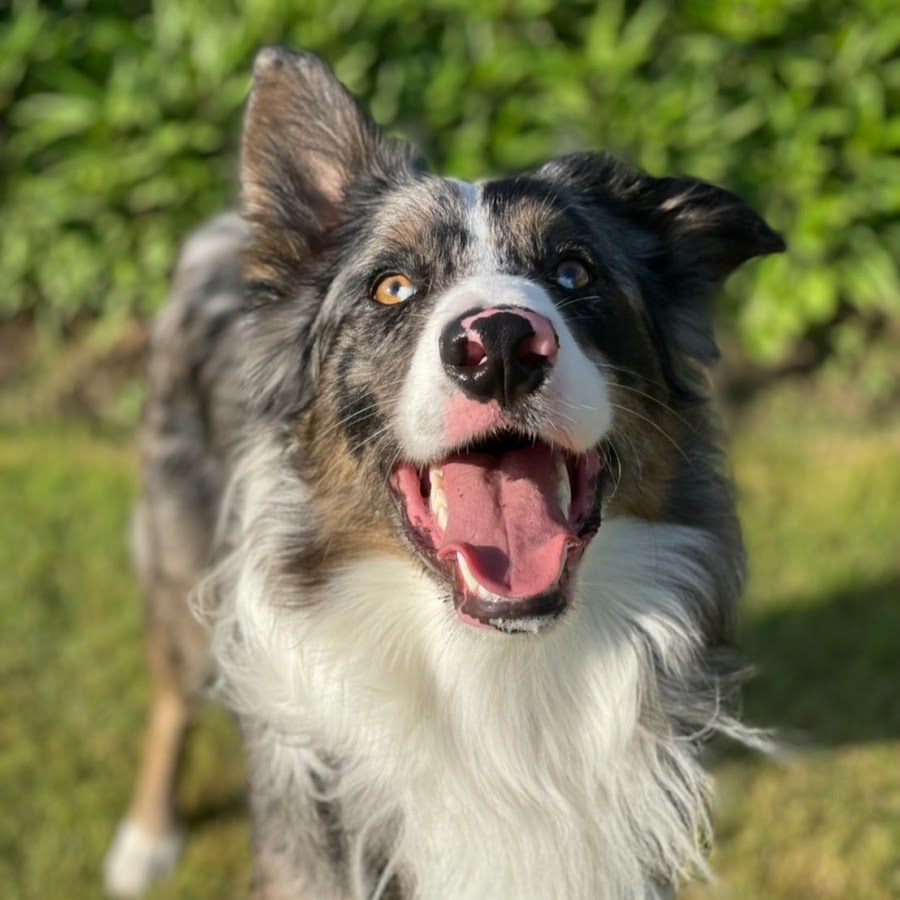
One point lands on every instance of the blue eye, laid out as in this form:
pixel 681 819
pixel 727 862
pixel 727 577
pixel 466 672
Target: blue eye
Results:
pixel 571 275
pixel 393 289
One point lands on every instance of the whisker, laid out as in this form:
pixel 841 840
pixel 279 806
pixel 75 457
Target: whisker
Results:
pixel 356 416
pixel 632 453
pixel 630 372
pixel 573 301
pixel 370 438
pixel 656 400
pixel 617 478
pixel 661 430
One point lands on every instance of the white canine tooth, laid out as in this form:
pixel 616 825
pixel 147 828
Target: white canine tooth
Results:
pixel 563 487
pixel 467 575
pixel 438 497
pixel 442 516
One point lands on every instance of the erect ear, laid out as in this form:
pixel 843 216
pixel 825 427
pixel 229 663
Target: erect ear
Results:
pixel 689 236
pixel 306 143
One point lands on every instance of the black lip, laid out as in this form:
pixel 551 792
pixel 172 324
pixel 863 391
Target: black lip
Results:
pixel 550 603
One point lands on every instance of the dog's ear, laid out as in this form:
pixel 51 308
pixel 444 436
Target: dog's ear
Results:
pixel 687 238
pixel 306 143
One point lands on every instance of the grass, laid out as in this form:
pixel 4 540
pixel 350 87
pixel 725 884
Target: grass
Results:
pixel 821 503
pixel 821 507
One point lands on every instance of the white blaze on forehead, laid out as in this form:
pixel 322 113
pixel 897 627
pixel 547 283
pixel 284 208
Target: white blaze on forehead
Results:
pixel 476 218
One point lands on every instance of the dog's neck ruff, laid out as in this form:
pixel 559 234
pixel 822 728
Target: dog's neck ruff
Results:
pixel 508 767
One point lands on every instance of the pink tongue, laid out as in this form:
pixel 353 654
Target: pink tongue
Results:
pixel 505 520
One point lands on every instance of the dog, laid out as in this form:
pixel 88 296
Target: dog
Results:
pixel 438 463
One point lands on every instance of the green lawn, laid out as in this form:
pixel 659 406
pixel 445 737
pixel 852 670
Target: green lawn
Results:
pixel 821 501
pixel 821 508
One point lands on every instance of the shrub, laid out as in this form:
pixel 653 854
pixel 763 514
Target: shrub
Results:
pixel 119 124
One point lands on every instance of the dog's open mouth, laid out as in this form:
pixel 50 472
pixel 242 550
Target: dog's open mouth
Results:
pixel 507 520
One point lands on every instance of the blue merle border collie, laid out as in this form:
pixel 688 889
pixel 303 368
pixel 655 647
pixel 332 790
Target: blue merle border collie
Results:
pixel 438 464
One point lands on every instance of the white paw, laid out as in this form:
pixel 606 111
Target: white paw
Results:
pixel 136 859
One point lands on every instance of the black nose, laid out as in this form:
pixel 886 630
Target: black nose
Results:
pixel 500 354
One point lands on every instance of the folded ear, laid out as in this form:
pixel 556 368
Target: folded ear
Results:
pixel 689 236
pixel 306 144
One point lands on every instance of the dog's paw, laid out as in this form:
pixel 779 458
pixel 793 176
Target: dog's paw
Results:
pixel 136 859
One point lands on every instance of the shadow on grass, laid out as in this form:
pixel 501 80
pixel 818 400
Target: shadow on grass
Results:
pixel 829 669
pixel 231 806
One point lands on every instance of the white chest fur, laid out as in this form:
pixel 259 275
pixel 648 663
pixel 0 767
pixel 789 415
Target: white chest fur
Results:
pixel 518 767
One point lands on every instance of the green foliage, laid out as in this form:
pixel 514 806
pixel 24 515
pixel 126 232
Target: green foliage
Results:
pixel 120 123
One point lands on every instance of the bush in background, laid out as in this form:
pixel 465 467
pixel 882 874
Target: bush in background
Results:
pixel 119 122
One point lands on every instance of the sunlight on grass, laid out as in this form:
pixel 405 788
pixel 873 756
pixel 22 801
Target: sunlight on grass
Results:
pixel 822 620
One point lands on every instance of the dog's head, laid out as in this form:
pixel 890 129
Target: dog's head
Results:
pixel 474 375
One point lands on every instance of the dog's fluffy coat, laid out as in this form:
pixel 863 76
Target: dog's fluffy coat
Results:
pixel 395 750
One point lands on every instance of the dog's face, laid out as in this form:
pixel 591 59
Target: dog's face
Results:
pixel 477 375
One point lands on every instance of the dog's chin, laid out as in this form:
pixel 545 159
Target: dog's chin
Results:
pixel 503 523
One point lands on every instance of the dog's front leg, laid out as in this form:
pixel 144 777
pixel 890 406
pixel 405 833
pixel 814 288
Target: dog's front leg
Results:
pixel 299 843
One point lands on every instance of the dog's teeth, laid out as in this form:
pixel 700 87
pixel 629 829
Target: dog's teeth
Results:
pixel 467 575
pixel 563 487
pixel 442 516
pixel 438 497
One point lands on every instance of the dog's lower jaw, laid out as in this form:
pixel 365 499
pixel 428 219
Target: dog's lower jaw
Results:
pixel 533 625
pixel 477 608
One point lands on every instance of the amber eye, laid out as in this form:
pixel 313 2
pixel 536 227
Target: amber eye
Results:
pixel 571 274
pixel 394 289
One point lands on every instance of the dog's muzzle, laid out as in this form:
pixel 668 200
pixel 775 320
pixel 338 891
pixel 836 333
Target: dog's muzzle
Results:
pixel 503 353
